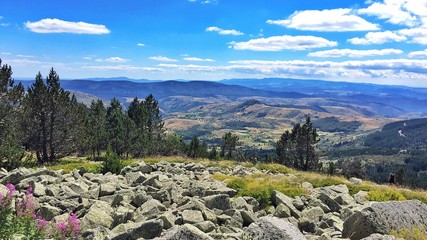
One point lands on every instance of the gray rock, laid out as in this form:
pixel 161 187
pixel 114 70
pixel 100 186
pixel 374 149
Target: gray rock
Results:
pixel 313 214
pixel 205 226
pixel 377 236
pixel 192 216
pixel 282 211
pixel 148 210
pixel 361 197
pixel 280 198
pixel 107 189
pixel 220 201
pixel 248 217
pixel 48 212
pixel 168 219
pixel 99 214
pixel 272 228
pixel 186 231
pixel 384 217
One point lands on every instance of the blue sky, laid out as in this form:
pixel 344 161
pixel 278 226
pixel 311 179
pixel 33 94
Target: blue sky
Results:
pixel 377 41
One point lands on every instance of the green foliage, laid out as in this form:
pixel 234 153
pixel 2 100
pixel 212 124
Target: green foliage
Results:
pixel 296 148
pixel 352 168
pixel 112 163
pixel 196 149
pixel 274 168
pixel 414 233
pixel 324 182
pixel 172 145
pixel 383 195
pixel 228 146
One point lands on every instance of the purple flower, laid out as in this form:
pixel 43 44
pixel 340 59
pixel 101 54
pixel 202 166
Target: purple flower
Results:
pixel 62 226
pixel 11 189
pixel 41 222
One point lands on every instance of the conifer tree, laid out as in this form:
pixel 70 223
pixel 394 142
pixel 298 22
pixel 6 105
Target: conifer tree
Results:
pixel 297 148
pixel 115 126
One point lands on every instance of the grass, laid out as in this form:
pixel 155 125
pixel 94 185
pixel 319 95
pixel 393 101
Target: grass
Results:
pixel 414 233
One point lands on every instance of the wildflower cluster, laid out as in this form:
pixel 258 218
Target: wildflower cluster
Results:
pixel 19 217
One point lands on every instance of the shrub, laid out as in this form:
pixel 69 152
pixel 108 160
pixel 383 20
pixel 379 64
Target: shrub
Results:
pixel 383 195
pixel 414 233
pixel 21 219
pixel 112 163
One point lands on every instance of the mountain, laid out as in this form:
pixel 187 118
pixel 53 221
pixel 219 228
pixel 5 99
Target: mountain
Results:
pixel 401 135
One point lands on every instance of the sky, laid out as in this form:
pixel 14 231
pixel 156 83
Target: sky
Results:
pixel 375 41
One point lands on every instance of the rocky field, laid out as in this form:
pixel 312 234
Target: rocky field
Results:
pixel 182 201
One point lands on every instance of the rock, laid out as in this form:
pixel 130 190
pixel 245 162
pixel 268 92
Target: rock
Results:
pixel 307 186
pixel 3 190
pixel 298 203
pixel 356 181
pixel 107 189
pixel 248 217
pixel 187 231
pixel 220 201
pixel 148 210
pixel 48 212
pixel 147 230
pixel 313 214
pixel 272 228
pixel 377 236
pixel 383 217
pixel 361 197
pixel 122 215
pixel 205 226
pixel 168 219
pixel 282 211
pixel 280 198
pixel 99 214
pixel 192 216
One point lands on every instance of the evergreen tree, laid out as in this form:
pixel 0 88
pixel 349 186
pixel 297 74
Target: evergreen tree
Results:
pixel 11 151
pixel 213 154
pixel 96 128
pixel 154 124
pixel 229 145
pixel 197 149
pixel 137 112
pixel 49 120
pixel 297 148
pixel 172 145
pixel 116 127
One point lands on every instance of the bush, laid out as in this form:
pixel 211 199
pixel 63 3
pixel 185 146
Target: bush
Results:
pixel 18 217
pixel 112 163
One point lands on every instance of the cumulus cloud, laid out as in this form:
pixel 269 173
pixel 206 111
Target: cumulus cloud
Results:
pixel 163 59
pixel 333 20
pixel 140 45
pixel 402 12
pixel 286 42
pixel 335 53
pixel 53 25
pixel 418 54
pixel 224 31
pixel 416 35
pixel 196 59
pixel 378 38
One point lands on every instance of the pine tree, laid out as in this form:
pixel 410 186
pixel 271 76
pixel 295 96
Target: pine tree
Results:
pixel 229 145
pixel 137 112
pixel 116 127
pixel 297 148
pixel 154 124
pixel 11 151
pixel 96 128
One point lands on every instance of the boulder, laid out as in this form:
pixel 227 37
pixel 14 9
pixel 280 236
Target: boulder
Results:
pixel 99 214
pixel 192 216
pixel 280 198
pixel 220 201
pixel 377 236
pixel 272 228
pixel 382 217
pixel 186 231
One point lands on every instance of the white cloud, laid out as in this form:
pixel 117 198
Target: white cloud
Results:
pixel 163 59
pixel 25 56
pixel 4 24
pixel 123 67
pixel 286 42
pixel 416 35
pixel 402 12
pixel 141 44
pixel 53 25
pixel 196 59
pixel 378 38
pixel 117 60
pixel 333 20
pixel 417 54
pixel 5 53
pixel 87 58
pixel 335 53
pixel 224 31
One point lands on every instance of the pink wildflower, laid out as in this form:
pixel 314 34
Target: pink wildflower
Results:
pixel 41 222
pixel 11 189
pixel 62 226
